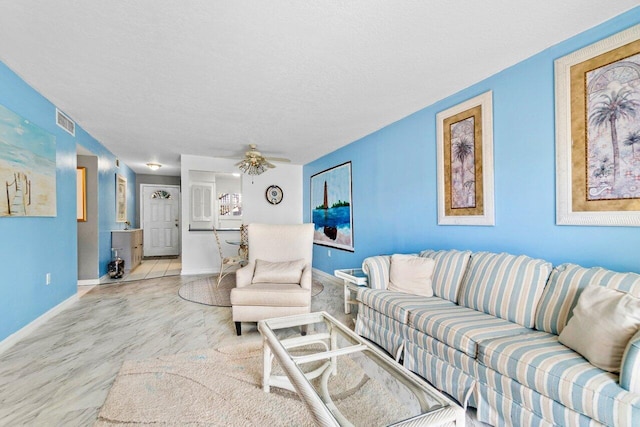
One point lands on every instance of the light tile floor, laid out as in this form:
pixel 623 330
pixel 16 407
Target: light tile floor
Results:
pixel 150 268
pixel 62 372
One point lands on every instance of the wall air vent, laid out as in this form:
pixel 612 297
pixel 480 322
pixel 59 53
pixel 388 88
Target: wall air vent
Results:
pixel 65 122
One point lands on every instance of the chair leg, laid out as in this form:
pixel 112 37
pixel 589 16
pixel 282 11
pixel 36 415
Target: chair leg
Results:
pixel 238 328
pixel 303 330
pixel 220 277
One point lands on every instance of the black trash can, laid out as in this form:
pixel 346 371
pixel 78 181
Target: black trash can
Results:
pixel 116 266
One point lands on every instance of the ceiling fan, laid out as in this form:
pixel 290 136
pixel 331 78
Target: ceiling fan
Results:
pixel 254 163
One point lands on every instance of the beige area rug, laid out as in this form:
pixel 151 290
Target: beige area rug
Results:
pixel 223 388
pixel 205 291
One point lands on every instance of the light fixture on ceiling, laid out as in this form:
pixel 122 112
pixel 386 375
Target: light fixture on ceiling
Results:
pixel 154 166
pixel 254 166
pixel 254 163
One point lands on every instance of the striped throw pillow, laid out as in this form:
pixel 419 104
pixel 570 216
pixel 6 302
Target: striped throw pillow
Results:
pixel 448 272
pixel 567 282
pixel 505 285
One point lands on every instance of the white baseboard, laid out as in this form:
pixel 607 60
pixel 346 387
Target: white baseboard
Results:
pixel 328 277
pixel 9 341
pixel 91 282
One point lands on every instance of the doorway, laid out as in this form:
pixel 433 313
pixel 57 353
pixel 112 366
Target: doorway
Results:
pixel 160 219
pixel 88 235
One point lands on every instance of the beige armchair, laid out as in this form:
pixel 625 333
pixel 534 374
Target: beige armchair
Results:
pixel 277 279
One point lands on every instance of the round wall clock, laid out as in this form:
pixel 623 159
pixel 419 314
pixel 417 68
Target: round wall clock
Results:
pixel 274 194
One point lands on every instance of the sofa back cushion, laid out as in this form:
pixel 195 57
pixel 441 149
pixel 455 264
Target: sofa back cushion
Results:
pixel 505 285
pixel 448 271
pixel 377 269
pixel 566 283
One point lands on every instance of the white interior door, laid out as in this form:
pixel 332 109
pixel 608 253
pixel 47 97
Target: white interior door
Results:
pixel 161 220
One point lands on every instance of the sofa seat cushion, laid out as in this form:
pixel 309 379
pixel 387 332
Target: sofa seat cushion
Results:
pixel 442 351
pixel 271 295
pixel 396 305
pixel 384 331
pixel 439 372
pixel 540 362
pixel 462 328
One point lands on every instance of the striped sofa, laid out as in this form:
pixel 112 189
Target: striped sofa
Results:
pixel 489 337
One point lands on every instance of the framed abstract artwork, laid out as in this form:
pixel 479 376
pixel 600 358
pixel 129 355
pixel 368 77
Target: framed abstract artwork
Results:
pixel 121 198
pixel 27 168
pixel 465 163
pixel 331 207
pixel 598 133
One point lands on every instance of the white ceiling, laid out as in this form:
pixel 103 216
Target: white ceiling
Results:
pixel 153 79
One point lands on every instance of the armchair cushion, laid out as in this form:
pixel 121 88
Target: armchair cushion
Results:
pixel 271 295
pixel 278 272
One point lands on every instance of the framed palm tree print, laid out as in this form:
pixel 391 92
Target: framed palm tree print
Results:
pixel 598 133
pixel 465 163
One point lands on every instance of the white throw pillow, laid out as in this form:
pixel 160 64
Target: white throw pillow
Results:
pixel 278 272
pixel 411 274
pixel 603 322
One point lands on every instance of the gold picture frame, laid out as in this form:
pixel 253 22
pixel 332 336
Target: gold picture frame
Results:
pixel 121 198
pixel 81 194
pixel 465 163
pixel 598 133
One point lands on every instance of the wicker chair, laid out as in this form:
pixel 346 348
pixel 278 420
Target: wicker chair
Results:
pixel 227 263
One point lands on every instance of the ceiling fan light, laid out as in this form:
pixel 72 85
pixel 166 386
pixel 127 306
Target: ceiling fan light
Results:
pixel 254 165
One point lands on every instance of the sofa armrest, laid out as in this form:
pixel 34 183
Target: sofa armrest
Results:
pixel 244 275
pixel 377 270
pixel 630 367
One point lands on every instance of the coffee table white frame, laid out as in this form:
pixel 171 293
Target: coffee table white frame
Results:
pixel 353 278
pixel 322 409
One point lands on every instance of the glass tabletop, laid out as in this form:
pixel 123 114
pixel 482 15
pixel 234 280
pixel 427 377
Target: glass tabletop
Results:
pixel 346 376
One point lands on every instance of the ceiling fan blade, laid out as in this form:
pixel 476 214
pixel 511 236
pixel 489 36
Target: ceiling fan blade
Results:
pixel 278 159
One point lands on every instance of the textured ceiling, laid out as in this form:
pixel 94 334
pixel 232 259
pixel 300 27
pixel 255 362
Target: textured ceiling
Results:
pixel 153 79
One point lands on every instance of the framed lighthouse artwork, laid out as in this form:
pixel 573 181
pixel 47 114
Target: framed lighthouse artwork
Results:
pixel 332 208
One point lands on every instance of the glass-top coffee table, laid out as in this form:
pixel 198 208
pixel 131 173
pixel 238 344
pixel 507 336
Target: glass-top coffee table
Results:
pixel 345 380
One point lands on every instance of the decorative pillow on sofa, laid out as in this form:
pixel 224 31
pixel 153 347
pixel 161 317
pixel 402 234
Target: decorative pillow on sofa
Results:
pixel 603 322
pixel 411 274
pixel 278 272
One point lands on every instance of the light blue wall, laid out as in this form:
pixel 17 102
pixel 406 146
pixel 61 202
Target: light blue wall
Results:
pixel 107 171
pixel 394 178
pixel 32 247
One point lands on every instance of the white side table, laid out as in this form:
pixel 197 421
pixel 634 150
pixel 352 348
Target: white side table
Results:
pixel 353 279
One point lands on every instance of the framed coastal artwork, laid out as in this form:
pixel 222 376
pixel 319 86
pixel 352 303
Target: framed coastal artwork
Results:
pixel 465 163
pixel 331 207
pixel 27 168
pixel 121 198
pixel 598 133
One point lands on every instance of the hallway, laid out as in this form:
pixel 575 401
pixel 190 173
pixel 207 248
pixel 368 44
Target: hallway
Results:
pixel 150 268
